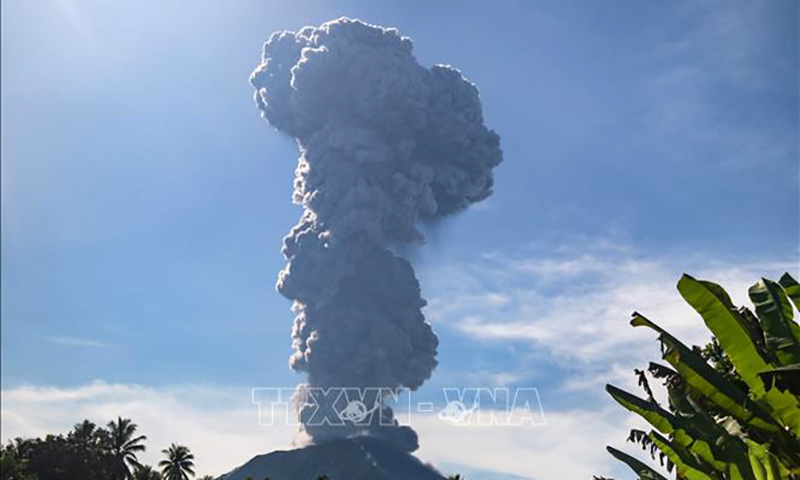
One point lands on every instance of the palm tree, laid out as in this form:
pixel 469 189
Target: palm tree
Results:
pixel 124 445
pixel 146 472
pixel 178 464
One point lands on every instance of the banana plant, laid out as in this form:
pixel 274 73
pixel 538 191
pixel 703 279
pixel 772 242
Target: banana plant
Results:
pixel 737 425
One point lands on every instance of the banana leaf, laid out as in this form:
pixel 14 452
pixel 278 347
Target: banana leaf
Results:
pixel 706 381
pixel 764 464
pixel 775 314
pixel 660 419
pixel 686 466
pixel 731 330
pixel 783 378
pixel 702 442
pixel 792 289
pixel 643 471
pixel 722 318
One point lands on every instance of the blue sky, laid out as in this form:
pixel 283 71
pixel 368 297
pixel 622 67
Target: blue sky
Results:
pixel 144 200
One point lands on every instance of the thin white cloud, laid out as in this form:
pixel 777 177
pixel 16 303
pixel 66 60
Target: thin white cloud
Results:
pixel 78 342
pixel 575 304
pixel 571 445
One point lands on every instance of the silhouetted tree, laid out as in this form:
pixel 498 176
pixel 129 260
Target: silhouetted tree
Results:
pixel 13 463
pixel 60 458
pixel 146 472
pixel 179 463
pixel 124 444
pixel 88 452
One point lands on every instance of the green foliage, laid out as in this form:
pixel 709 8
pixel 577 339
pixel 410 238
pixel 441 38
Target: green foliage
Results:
pixel 734 405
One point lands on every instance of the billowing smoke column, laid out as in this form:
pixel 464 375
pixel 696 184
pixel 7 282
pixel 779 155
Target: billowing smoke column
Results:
pixel 384 143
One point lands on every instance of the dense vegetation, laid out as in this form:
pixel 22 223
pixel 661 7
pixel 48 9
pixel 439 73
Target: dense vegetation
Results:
pixel 90 452
pixel 733 407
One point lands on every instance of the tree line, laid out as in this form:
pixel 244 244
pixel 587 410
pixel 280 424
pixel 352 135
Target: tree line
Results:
pixel 92 452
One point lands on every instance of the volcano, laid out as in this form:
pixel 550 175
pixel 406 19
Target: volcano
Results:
pixel 359 458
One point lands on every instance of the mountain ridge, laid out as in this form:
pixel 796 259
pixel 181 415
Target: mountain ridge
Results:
pixel 357 458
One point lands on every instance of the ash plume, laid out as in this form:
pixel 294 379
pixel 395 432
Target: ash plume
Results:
pixel 384 144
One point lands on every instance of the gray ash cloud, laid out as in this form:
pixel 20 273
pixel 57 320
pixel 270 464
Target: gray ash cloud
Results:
pixel 384 144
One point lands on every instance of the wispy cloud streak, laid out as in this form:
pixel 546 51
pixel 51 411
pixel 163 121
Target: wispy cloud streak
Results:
pixel 78 342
